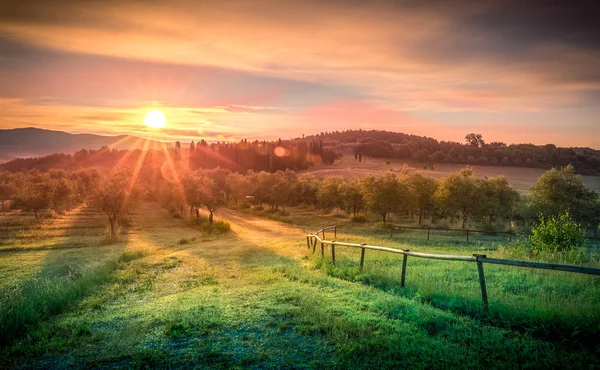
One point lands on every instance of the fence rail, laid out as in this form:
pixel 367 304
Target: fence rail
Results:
pixel 510 234
pixel 313 239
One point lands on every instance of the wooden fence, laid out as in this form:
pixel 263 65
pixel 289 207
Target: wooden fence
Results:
pixel 466 232
pixel 479 259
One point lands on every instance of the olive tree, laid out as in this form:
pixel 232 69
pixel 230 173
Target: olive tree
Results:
pixel 351 195
pixel 383 194
pixel 459 193
pixel 422 192
pixel 329 193
pixel 35 197
pixel 7 192
pixel 115 196
pixel 202 191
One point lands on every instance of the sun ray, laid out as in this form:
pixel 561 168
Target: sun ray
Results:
pixel 120 142
pixel 127 154
pixel 174 171
pixel 138 166
pixel 215 155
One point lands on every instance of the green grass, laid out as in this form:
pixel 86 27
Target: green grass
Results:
pixel 23 308
pixel 170 296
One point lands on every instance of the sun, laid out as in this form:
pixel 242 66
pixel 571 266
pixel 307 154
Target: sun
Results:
pixel 155 119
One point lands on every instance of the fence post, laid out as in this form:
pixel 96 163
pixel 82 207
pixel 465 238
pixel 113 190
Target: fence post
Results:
pixel 314 246
pixel 335 232
pixel 307 242
pixel 362 257
pixel 333 251
pixel 322 249
pixel 484 296
pixel 404 260
pixel 324 235
pixel 428 232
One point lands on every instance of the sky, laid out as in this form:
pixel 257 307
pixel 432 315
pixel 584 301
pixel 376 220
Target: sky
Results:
pixel 514 71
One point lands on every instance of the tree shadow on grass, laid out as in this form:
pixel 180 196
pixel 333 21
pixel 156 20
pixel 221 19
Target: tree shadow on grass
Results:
pixel 67 271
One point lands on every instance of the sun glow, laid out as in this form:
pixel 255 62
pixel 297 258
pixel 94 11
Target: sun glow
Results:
pixel 155 119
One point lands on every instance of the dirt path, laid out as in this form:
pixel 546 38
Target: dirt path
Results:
pixel 283 239
pixel 260 227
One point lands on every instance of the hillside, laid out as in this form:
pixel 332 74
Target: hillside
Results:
pixel 387 144
pixel 34 142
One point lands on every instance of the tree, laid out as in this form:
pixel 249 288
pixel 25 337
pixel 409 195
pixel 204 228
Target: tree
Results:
pixel 307 190
pixel 329 193
pixel 475 140
pixel 561 190
pixel 63 193
pixel 212 197
pixel 192 156
pixel 351 195
pixel 499 198
pixel 282 192
pixel 36 197
pixel 422 190
pixel 383 194
pixel 239 186
pixel 193 193
pixel 202 191
pixel 7 191
pixel 115 197
pixel 459 193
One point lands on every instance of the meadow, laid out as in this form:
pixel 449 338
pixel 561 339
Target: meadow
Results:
pixel 521 178
pixel 169 295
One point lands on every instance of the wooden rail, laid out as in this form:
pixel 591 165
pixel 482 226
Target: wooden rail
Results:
pixel 510 234
pixel 480 259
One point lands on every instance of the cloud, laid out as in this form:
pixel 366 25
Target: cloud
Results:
pixel 265 65
pixel 385 48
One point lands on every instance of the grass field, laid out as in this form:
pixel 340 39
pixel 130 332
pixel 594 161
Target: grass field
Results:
pixel 522 178
pixel 169 296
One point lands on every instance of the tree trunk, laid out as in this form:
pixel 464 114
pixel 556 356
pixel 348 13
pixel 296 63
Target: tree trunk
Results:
pixel 420 216
pixel 383 215
pixel 37 218
pixel 210 217
pixel 113 232
pixel 197 214
pixel 464 219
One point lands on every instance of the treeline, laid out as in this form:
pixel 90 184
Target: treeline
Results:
pixel 257 156
pixel 475 151
pixel 458 197
pixel 270 156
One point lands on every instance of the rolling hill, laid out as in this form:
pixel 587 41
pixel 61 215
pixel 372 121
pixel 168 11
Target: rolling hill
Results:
pixel 35 142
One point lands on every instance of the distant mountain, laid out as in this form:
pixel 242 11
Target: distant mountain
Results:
pixel 35 142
